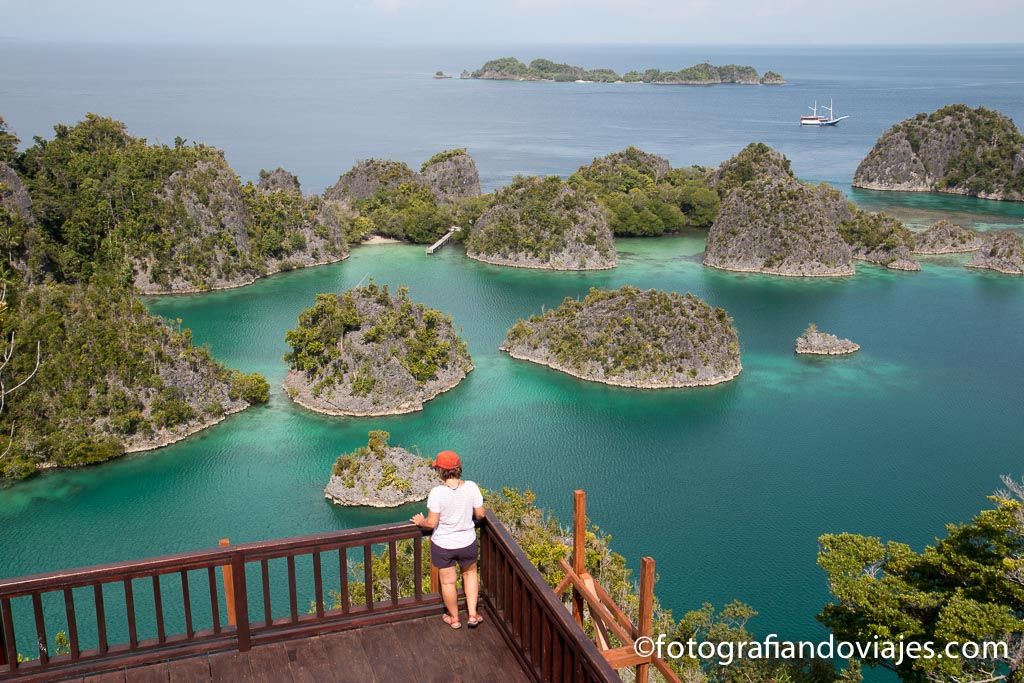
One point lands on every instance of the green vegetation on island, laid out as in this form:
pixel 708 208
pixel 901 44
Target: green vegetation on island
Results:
pixel 90 374
pixel 388 198
pixel 645 196
pixel 955 149
pixel 166 218
pixel 631 337
pixel 543 223
pixel 1001 251
pixel 511 69
pixel 965 587
pixel 370 352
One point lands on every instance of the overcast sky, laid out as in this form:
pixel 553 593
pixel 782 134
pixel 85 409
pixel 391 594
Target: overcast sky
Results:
pixel 475 22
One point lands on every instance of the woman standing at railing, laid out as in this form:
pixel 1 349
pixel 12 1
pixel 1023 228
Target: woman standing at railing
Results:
pixel 451 507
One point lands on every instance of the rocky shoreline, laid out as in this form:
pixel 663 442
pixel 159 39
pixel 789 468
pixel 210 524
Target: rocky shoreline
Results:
pixel 726 377
pixel 533 264
pixel 167 437
pixel 239 283
pixel 296 385
pixel 944 237
pixel 1001 251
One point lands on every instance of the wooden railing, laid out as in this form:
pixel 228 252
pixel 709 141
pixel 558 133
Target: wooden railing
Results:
pixel 535 623
pixel 224 599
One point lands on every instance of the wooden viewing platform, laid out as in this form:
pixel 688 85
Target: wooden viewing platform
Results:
pixel 362 623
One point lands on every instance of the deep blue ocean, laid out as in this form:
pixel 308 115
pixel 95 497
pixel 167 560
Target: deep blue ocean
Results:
pixel 728 488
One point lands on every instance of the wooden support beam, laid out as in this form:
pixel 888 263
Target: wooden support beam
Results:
pixel 645 618
pixel 229 586
pixel 579 548
pixel 435 580
pixel 595 604
pixel 622 657
pixel 601 634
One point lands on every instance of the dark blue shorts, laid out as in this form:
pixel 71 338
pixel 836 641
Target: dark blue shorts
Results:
pixel 442 558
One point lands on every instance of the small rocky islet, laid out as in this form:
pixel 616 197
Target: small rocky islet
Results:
pixel 944 237
pixel 629 337
pixel 815 342
pixel 379 475
pixel 543 223
pixel 369 352
pixel 511 69
pixel 956 149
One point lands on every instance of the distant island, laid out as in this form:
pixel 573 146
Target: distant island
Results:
pixel 370 352
pixel 379 475
pixel 632 338
pixel 511 69
pixel 956 149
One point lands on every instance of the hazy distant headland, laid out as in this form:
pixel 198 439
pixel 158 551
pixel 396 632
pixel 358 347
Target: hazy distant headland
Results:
pixel 511 69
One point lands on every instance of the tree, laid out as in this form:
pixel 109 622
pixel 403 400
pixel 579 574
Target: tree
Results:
pixel 968 586
pixel 8 143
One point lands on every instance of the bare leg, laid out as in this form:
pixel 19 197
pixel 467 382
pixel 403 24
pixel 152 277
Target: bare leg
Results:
pixel 448 592
pixel 471 584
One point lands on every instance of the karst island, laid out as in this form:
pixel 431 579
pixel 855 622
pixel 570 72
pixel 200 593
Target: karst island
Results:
pixel 369 351
pixel 771 222
pixel 815 342
pixel 379 475
pixel 630 337
pixel 955 149
pixel 543 223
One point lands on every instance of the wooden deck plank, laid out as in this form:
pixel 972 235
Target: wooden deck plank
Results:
pixel 347 659
pixel 107 677
pixel 308 662
pixel 420 644
pixel 230 667
pixel 384 651
pixel 192 670
pixel 480 653
pixel 269 663
pixel 154 673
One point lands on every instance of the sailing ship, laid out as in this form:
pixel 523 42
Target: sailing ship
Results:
pixel 815 119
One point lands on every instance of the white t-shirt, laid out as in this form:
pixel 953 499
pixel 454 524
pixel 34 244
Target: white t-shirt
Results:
pixel 455 527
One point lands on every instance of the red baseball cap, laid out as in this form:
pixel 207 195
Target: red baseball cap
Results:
pixel 447 460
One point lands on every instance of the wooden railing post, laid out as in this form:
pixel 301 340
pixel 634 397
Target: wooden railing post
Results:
pixel 241 607
pixel 645 618
pixel 579 542
pixel 229 586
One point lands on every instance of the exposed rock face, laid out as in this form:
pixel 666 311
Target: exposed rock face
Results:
pixel 543 223
pixel 879 238
pixel 452 175
pixel 1001 250
pixel 279 180
pixel 213 216
pixel 14 197
pixel 368 352
pixel 755 162
pixel 629 337
pixel 364 179
pixel 956 149
pixel 781 227
pixel 379 475
pixel 946 238
pixel 812 341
